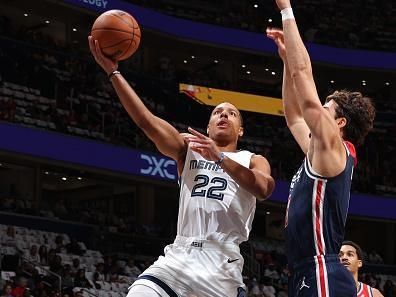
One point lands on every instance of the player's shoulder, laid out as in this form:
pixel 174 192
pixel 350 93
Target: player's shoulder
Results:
pixel 259 161
pixel 376 293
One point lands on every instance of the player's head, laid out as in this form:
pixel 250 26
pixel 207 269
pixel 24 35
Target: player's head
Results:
pixel 354 114
pixel 351 256
pixel 225 123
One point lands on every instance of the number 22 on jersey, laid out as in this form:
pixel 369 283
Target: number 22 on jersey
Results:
pixel 209 188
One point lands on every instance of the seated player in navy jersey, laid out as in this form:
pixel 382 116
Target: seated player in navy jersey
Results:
pixel 320 190
pixel 351 256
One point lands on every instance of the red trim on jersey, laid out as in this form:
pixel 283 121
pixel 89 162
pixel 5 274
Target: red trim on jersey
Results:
pixel 352 151
pixel 318 227
pixel 322 280
pixel 365 291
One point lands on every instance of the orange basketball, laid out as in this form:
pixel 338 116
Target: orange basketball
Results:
pixel 118 34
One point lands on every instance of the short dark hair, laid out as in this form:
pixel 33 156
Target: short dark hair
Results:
pixel 358 249
pixel 358 111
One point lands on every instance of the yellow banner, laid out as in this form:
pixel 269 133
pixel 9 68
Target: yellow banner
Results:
pixel 242 101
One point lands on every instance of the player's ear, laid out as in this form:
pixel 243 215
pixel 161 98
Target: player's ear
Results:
pixel 341 122
pixel 207 130
pixel 360 263
pixel 240 132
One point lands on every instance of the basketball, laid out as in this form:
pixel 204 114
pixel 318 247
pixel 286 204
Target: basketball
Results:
pixel 118 34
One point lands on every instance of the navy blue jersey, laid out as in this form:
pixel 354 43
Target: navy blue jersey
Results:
pixel 317 211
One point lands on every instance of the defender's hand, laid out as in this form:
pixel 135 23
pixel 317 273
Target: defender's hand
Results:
pixel 282 4
pixel 203 145
pixel 277 36
pixel 107 64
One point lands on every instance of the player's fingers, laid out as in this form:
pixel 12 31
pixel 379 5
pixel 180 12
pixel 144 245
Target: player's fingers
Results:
pixel 274 32
pixel 197 150
pixel 99 51
pixel 200 145
pixel 278 41
pixel 271 36
pixel 200 140
pixel 91 45
pixel 196 133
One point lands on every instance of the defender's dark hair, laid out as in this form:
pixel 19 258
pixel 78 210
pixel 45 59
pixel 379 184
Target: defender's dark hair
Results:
pixel 358 249
pixel 358 111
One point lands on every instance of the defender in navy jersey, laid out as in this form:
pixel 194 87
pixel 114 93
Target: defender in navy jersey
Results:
pixel 219 186
pixel 320 190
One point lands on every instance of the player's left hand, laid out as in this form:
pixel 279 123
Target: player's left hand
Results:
pixel 203 145
pixel 277 36
pixel 282 4
pixel 107 64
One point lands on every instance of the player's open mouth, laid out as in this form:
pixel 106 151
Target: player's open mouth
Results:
pixel 223 124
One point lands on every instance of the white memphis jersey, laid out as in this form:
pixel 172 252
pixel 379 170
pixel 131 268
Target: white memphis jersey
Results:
pixel 212 205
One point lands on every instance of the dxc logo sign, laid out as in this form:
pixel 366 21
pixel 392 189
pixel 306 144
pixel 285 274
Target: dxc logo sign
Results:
pixel 157 167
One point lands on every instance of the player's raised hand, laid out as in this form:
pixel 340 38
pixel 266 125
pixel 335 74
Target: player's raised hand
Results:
pixel 203 145
pixel 282 4
pixel 277 36
pixel 107 64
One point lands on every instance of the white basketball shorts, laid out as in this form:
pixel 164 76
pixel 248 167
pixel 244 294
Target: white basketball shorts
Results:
pixel 196 268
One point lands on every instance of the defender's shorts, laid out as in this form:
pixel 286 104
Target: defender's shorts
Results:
pixel 321 276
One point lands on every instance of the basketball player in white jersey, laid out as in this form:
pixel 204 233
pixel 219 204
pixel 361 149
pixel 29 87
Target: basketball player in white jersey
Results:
pixel 351 256
pixel 218 190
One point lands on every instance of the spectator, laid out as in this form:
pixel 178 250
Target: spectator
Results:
pixel 9 239
pixel 98 274
pixel 75 266
pixel 255 291
pixel 80 280
pixel 283 291
pixel 56 265
pixel 20 288
pixel 32 255
pixel 267 289
pixel 271 272
pixel 74 248
pixel 67 280
pixel 59 245
pixel 43 254
pixel 7 291
pixel 131 269
pixel 51 256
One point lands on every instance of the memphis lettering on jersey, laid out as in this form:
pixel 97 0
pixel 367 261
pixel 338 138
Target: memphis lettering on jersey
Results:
pixel 97 3
pixel 201 164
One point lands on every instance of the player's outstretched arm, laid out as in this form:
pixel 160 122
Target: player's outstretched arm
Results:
pixel 329 152
pixel 166 138
pixel 294 118
pixel 257 179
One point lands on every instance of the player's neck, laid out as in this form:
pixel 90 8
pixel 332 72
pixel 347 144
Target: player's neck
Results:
pixel 355 277
pixel 227 147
